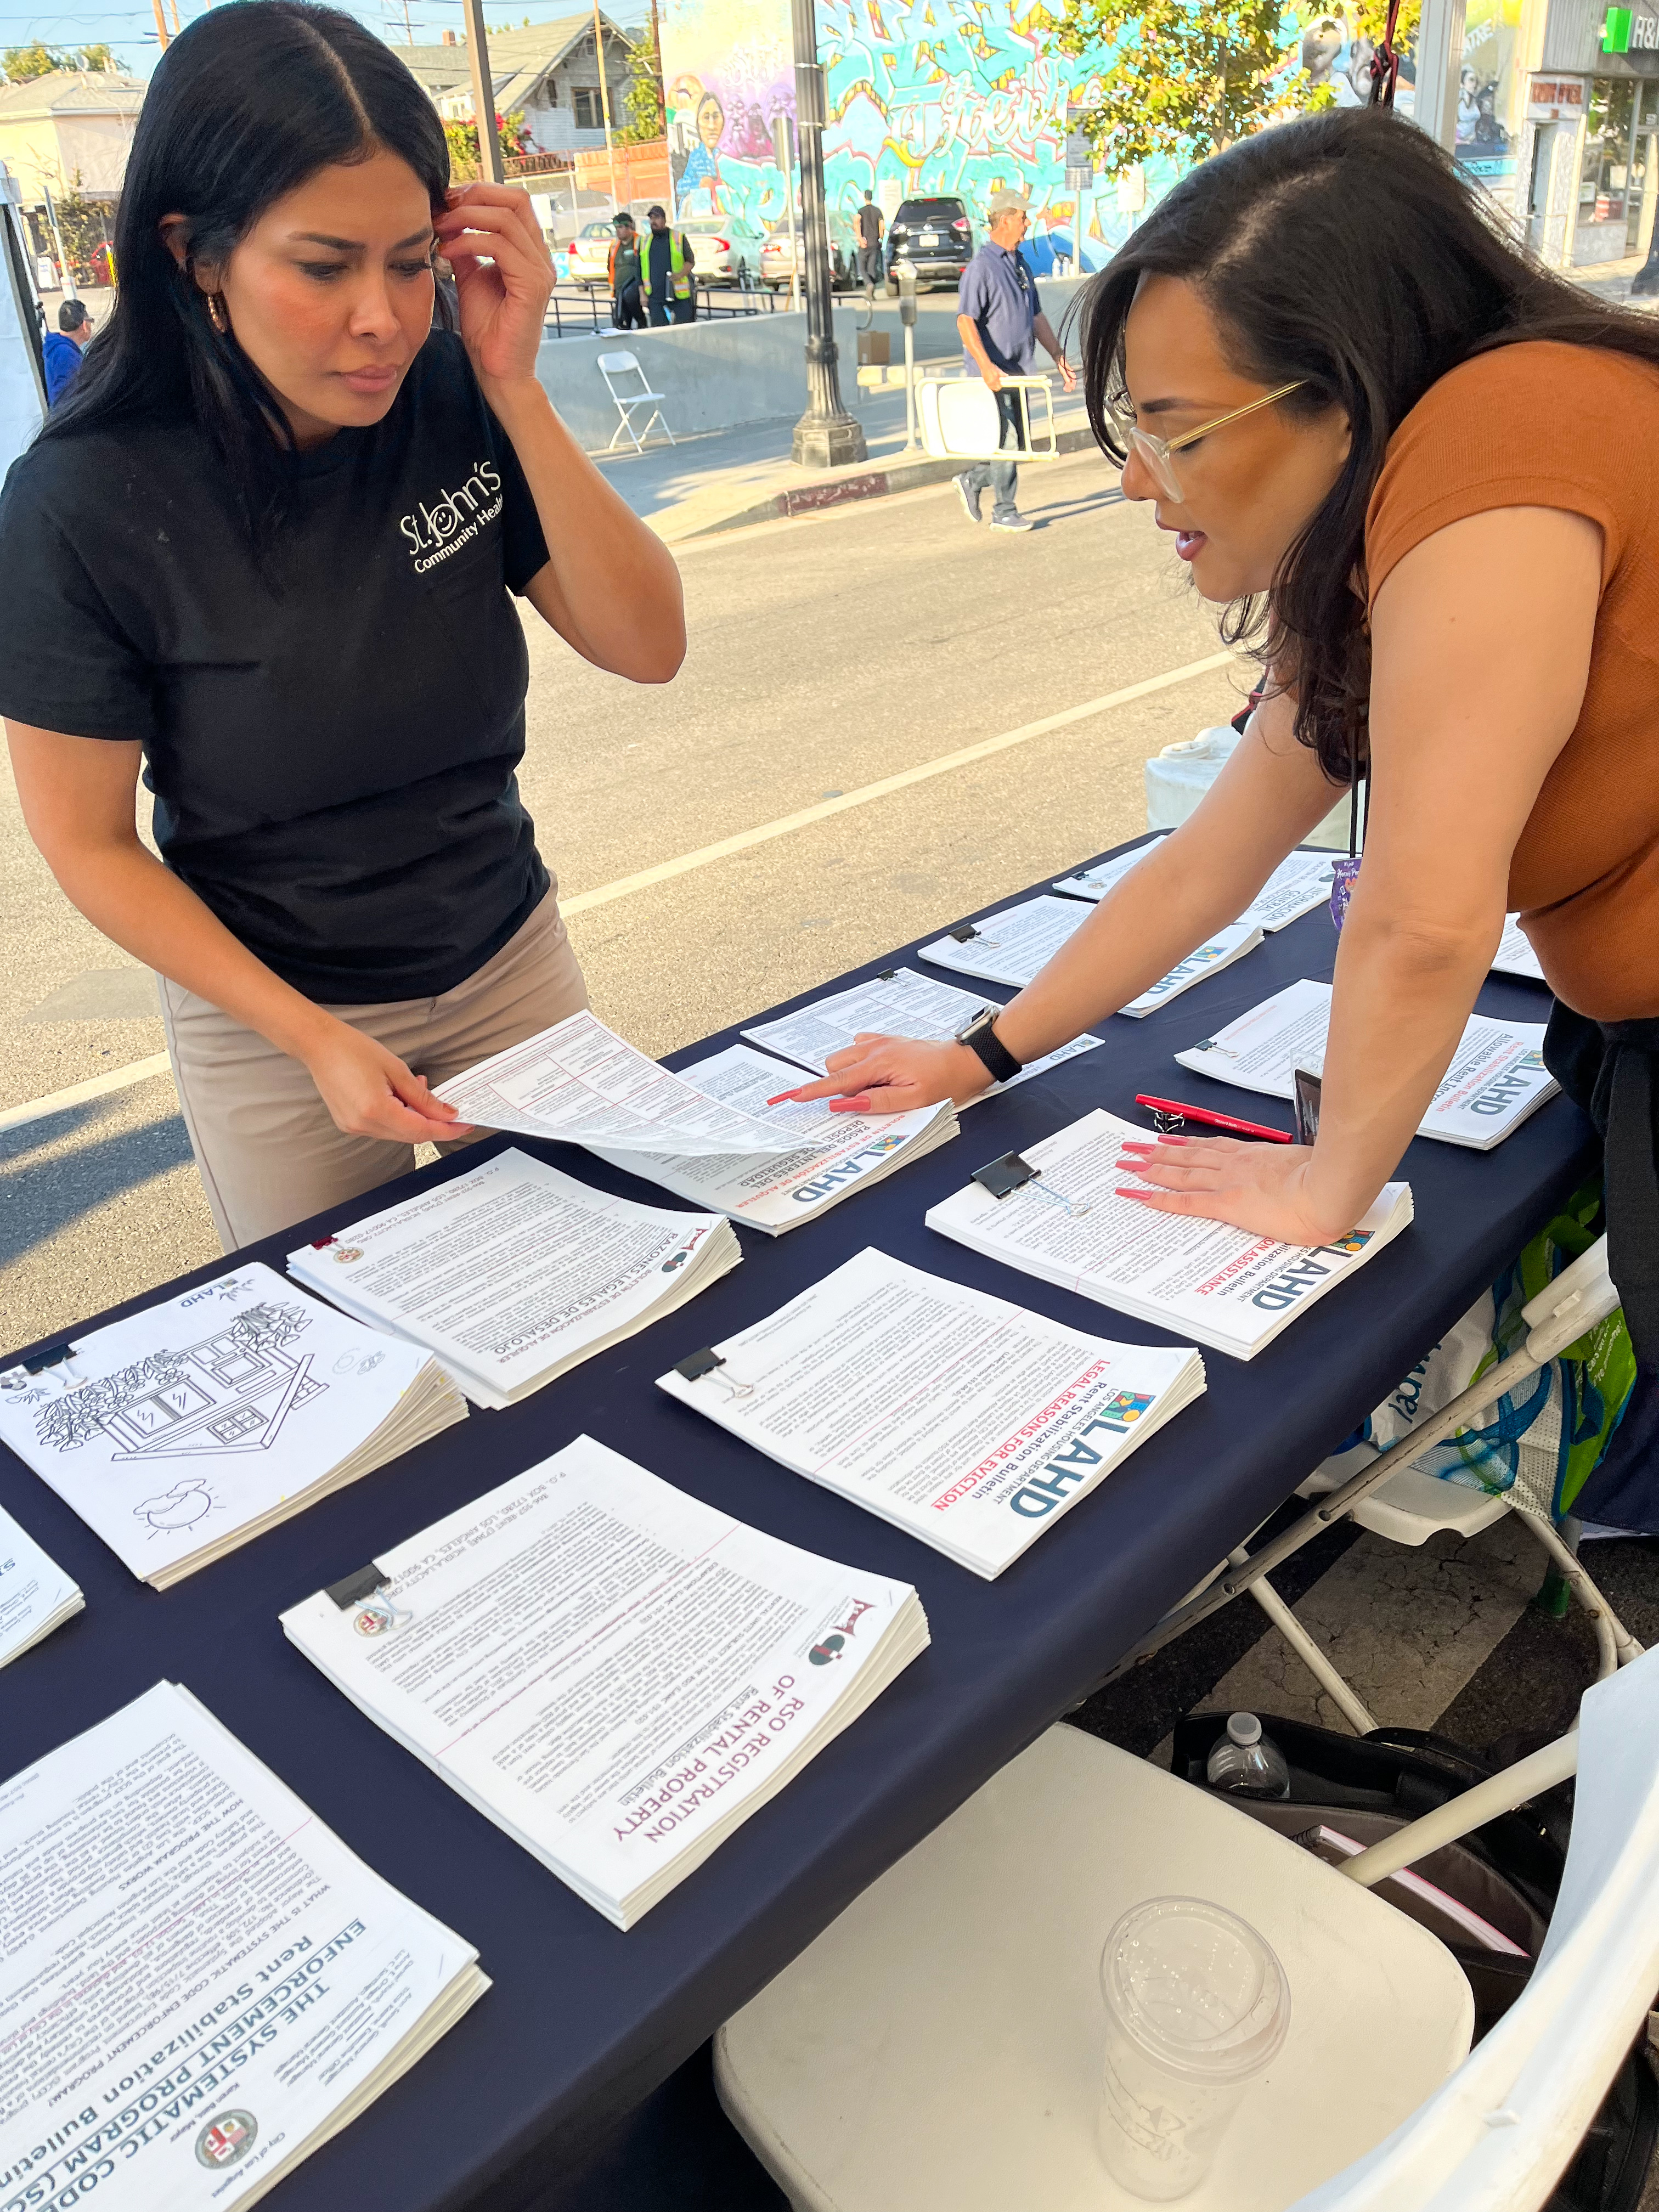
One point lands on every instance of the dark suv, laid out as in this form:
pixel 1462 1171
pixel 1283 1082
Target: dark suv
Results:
pixel 933 237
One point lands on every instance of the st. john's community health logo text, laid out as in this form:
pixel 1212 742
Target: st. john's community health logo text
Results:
pixel 227 2140
pixel 450 519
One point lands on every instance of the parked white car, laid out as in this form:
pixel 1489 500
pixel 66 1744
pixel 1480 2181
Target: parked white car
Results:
pixel 726 252
pixel 587 259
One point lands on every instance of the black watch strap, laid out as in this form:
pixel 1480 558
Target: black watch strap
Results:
pixel 979 1035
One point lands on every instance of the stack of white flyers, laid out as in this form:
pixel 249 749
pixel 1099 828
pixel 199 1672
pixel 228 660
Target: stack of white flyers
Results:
pixel 192 1426
pixel 1514 955
pixel 773 1191
pixel 514 1273
pixel 1297 886
pixel 199 1984
pixel 1062 1221
pixel 578 1082
pixel 36 1595
pixel 900 1003
pixel 964 1421
pixel 1496 1079
pixel 612 1671
pixel 1010 947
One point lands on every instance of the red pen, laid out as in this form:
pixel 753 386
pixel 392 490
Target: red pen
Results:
pixel 1226 1121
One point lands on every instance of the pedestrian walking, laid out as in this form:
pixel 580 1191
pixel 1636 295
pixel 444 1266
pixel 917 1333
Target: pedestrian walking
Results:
pixel 870 235
pixel 61 349
pixel 296 617
pixel 1001 323
pixel 668 264
pixel 627 295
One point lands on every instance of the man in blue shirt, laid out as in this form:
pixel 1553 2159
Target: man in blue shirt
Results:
pixel 60 350
pixel 1001 322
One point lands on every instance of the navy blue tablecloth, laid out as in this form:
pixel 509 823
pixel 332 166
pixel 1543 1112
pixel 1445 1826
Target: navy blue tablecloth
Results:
pixel 583 2021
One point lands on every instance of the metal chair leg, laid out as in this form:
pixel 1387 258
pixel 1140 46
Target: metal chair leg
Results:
pixel 1615 1645
pixel 1354 1710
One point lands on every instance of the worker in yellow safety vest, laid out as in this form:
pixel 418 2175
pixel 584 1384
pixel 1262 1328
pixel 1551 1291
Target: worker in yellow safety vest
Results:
pixel 665 265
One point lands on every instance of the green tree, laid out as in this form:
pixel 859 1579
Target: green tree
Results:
pixel 643 103
pixel 1185 77
pixel 21 65
pixel 463 138
pixel 83 224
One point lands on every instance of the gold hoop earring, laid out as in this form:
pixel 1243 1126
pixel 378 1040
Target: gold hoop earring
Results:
pixel 217 316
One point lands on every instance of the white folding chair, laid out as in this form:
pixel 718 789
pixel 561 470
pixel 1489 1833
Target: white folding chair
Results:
pixel 613 365
pixel 960 419
pixel 1392 1498
pixel 939 2048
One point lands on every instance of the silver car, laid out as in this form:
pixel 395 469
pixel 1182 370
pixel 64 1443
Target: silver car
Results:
pixel 587 259
pixel 777 261
pixel 726 251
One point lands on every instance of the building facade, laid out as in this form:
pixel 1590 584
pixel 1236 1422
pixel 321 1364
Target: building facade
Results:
pixel 1590 133
pixel 68 134
pixel 548 73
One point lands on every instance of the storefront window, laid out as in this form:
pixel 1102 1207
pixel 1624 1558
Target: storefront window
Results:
pixel 1605 180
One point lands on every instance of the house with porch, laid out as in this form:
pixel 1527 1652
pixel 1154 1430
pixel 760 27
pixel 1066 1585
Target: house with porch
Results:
pixel 548 73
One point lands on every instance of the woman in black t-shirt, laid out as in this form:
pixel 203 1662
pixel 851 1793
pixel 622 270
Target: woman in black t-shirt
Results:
pixel 264 551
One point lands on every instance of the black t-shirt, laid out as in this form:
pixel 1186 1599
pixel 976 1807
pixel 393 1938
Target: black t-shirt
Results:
pixel 870 224
pixel 332 744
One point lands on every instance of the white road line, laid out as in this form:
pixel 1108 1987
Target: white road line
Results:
pixel 705 855
pixel 97 1086
pixel 140 1071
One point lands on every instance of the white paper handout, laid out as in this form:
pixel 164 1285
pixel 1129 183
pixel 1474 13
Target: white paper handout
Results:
pixel 900 1003
pixel 1514 955
pixel 1011 946
pixel 964 1421
pixel 515 1271
pixel 773 1191
pixel 1106 875
pixel 199 1422
pixel 36 1595
pixel 1496 1079
pixel 1198 1278
pixel 614 1672
pixel 199 1984
pixel 580 1082
pixel 1298 884
pixel 1208 959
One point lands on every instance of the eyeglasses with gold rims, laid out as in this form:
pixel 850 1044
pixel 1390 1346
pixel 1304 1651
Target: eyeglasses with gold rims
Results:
pixel 1154 454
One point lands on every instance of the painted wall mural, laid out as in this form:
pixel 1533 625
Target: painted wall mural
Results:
pixel 926 96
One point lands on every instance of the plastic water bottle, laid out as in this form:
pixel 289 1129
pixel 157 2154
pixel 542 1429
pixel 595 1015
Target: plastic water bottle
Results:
pixel 1246 1762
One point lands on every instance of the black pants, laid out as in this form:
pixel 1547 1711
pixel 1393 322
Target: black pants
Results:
pixel 1612 1070
pixel 628 309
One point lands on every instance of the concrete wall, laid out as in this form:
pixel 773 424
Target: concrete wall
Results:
pixel 713 375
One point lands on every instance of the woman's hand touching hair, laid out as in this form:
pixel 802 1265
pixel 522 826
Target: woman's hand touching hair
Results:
pixel 489 236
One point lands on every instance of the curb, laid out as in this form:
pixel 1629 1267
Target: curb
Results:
pixel 870 483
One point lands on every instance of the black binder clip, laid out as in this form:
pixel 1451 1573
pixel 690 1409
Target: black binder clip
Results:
pixel 709 1362
pixel 56 1362
pixel 888 975
pixel 1003 1177
pixel 355 1588
pixel 962 932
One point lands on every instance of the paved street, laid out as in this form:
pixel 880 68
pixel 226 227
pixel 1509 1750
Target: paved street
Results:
pixel 826 654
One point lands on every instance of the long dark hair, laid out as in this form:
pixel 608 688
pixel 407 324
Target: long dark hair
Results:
pixel 251 100
pixel 1344 250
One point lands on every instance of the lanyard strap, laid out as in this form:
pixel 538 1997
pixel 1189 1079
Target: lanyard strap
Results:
pixel 1385 63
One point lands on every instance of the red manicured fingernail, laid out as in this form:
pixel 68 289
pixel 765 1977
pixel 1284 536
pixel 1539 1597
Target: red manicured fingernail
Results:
pixel 1175 1140
pixel 1133 1145
pixel 850 1105
pixel 1121 1192
pixel 781 1099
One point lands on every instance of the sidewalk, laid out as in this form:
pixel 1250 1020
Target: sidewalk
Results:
pixel 1610 280
pixel 727 479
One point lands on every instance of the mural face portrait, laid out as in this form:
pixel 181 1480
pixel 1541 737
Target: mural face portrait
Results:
pixel 711 121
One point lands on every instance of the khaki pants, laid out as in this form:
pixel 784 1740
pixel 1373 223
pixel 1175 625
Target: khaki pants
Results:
pixel 266 1145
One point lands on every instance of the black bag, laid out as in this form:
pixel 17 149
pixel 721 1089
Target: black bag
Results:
pixel 1509 1872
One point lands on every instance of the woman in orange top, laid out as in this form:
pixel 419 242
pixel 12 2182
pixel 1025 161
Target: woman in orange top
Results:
pixel 1422 474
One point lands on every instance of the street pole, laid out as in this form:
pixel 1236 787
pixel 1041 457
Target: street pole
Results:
pixel 483 94
pixel 67 273
pixel 161 30
pixel 605 107
pixel 826 434
pixel 907 284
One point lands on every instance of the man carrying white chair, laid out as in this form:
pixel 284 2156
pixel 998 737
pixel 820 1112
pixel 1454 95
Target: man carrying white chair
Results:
pixel 1000 320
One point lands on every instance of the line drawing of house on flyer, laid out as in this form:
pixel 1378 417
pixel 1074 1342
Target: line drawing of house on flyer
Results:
pixel 228 1392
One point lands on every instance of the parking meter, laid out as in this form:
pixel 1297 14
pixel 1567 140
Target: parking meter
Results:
pixel 907 284
pixel 907 291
